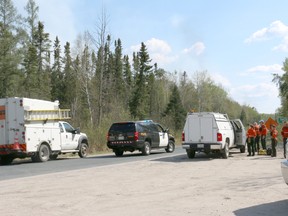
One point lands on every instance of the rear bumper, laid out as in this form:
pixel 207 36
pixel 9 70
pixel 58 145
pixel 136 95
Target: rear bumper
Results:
pixel 202 146
pixel 125 145
pixel 13 149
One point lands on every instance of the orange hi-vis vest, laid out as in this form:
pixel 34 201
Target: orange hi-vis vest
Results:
pixel 284 132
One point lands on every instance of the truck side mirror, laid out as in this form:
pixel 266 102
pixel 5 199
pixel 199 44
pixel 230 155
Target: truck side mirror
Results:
pixel 77 131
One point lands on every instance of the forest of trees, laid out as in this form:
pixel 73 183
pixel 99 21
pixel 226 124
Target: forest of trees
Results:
pixel 98 82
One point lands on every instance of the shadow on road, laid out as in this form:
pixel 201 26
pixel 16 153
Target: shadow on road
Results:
pixel 183 158
pixel 279 208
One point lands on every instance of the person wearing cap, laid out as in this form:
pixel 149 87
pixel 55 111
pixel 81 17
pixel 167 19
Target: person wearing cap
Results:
pixel 257 138
pixel 263 133
pixel 274 134
pixel 284 133
pixel 251 134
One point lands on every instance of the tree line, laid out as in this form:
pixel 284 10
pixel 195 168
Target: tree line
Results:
pixel 97 81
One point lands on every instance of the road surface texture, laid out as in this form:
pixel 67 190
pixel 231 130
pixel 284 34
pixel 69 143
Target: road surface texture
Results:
pixel 166 185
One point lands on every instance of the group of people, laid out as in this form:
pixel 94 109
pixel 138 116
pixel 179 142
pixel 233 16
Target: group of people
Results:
pixel 257 133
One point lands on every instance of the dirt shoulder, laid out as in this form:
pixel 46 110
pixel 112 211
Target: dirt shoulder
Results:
pixel 166 186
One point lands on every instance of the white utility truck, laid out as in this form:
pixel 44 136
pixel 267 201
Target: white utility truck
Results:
pixel 212 132
pixel 35 128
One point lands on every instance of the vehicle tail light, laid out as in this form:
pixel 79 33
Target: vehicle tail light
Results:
pixel 219 137
pixel 107 136
pixel 183 136
pixel 136 136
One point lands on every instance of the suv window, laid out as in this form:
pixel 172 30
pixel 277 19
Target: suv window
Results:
pixel 159 128
pixel 144 127
pixel 123 127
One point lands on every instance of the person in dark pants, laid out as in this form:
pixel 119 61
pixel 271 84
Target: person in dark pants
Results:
pixel 284 133
pixel 257 138
pixel 263 131
pixel 274 134
pixel 251 134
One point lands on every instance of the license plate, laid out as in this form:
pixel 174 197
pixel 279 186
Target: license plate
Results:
pixel 200 146
pixel 120 137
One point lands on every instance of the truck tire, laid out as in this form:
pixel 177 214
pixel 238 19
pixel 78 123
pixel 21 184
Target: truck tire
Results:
pixel 53 156
pixel 146 148
pixel 83 150
pixel 243 149
pixel 190 153
pixel 6 160
pixel 118 152
pixel 43 154
pixel 225 151
pixel 170 147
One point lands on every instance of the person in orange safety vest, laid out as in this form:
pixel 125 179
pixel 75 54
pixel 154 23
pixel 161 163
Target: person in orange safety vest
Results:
pixel 284 133
pixel 251 134
pixel 274 134
pixel 263 133
pixel 257 138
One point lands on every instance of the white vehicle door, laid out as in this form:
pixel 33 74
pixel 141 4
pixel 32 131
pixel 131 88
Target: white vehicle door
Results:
pixel 239 131
pixel 163 136
pixel 69 139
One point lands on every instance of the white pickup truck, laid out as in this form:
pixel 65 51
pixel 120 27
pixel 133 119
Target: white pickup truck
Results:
pixel 35 128
pixel 212 132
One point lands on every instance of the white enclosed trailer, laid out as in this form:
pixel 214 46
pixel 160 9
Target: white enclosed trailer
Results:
pixel 212 132
pixel 35 128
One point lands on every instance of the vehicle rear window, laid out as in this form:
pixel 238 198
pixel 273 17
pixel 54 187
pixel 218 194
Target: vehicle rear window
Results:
pixel 123 127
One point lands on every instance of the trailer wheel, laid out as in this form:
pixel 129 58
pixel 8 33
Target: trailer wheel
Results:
pixel 6 160
pixel 83 150
pixel 225 151
pixel 190 153
pixel 43 154
pixel 146 148
pixel 170 147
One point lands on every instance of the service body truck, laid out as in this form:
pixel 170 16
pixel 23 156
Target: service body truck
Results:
pixel 212 132
pixel 35 128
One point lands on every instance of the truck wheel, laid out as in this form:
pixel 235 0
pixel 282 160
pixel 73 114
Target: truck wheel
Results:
pixel 118 152
pixel 43 154
pixel 190 153
pixel 6 160
pixel 243 149
pixel 146 148
pixel 170 147
pixel 225 151
pixel 53 156
pixel 83 150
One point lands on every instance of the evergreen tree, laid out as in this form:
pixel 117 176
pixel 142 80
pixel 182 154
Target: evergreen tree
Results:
pixel 57 90
pixel 10 57
pixel 70 83
pixel 175 109
pixel 139 104
pixel 32 18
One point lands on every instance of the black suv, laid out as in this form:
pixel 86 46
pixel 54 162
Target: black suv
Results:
pixel 139 135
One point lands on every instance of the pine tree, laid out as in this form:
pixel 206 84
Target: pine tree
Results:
pixel 175 109
pixel 10 56
pixel 140 102
pixel 70 83
pixel 56 75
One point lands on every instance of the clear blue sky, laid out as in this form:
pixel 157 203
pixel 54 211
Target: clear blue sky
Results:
pixel 240 43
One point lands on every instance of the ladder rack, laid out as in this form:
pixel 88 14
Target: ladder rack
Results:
pixel 42 115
